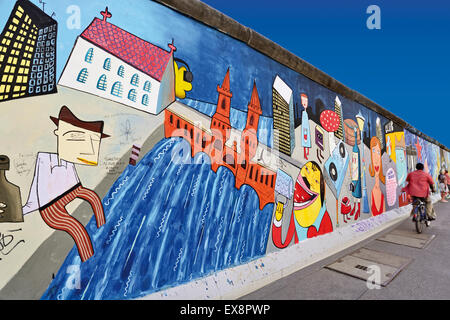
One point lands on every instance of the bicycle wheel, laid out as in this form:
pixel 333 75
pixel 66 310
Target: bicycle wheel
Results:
pixel 419 225
pixel 420 219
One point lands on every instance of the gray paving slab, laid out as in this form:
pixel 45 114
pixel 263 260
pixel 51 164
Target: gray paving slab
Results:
pixel 362 268
pixel 407 240
pixel 426 277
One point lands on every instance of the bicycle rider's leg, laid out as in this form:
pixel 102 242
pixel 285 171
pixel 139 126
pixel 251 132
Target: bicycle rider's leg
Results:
pixel 431 214
pixel 413 206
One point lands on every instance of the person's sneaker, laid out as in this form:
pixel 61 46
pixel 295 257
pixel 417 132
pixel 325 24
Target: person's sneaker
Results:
pixel 443 200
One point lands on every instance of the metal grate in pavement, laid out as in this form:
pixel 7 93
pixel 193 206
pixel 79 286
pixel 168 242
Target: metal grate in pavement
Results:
pixel 365 263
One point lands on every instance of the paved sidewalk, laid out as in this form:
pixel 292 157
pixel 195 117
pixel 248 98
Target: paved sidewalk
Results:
pixel 426 277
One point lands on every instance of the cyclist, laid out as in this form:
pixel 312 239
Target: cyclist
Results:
pixel 443 185
pixel 419 184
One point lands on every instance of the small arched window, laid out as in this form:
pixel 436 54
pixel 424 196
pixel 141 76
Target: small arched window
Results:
pixel 107 64
pixel 101 83
pixel 117 89
pixel 145 99
pixel 89 55
pixel 135 80
pixel 82 76
pixel 121 71
pixel 251 120
pixel 132 95
pixel 148 86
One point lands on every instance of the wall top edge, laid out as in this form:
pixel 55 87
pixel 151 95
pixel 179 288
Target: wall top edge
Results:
pixel 213 18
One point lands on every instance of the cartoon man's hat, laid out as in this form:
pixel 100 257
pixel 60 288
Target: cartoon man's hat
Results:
pixel 66 115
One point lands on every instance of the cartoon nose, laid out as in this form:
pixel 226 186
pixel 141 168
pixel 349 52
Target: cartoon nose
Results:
pixel 88 147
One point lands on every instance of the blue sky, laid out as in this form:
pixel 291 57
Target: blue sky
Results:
pixel 404 67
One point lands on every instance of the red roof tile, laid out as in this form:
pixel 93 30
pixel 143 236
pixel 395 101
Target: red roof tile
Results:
pixel 139 53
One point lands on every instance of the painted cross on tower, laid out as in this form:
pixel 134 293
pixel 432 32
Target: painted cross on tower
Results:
pixel 106 14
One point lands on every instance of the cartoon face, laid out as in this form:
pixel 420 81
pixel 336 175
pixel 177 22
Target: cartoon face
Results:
pixel 376 158
pixel 77 145
pixel 308 194
pixel 401 167
pixel 304 99
pixel 355 166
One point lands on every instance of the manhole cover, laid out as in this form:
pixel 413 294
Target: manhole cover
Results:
pixel 408 238
pixel 364 263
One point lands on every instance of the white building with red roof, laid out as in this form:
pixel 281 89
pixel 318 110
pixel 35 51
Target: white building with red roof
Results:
pixel 114 64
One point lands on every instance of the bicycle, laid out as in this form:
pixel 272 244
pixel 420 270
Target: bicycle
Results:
pixel 419 215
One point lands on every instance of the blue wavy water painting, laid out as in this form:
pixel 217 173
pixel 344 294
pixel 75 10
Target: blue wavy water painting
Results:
pixel 166 224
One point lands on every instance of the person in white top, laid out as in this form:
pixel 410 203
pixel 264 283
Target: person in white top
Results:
pixel 56 182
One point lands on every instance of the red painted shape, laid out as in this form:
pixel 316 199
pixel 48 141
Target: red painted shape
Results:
pixel 326 226
pixel 277 234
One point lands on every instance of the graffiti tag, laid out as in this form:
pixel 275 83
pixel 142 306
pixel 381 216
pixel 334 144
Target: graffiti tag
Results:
pixel 7 243
pixel 366 225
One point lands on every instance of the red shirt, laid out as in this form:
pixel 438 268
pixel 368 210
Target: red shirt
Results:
pixel 418 183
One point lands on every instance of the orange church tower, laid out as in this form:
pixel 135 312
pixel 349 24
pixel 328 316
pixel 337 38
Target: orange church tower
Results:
pixel 249 138
pixel 220 121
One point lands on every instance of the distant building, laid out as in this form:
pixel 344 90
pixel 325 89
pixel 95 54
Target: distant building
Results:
pixel 282 109
pixel 115 64
pixel 27 53
pixel 339 133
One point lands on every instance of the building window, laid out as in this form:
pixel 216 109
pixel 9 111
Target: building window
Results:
pixel 89 55
pixel 107 64
pixel 101 83
pixel 117 89
pixel 132 95
pixel 145 99
pixel 82 76
pixel 148 86
pixel 121 71
pixel 135 80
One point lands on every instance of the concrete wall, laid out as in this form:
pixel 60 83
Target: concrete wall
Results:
pixel 179 229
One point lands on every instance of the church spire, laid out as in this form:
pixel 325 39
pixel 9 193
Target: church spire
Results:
pixel 254 104
pixel 225 88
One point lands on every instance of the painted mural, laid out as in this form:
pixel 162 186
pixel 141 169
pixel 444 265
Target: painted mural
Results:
pixel 149 154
